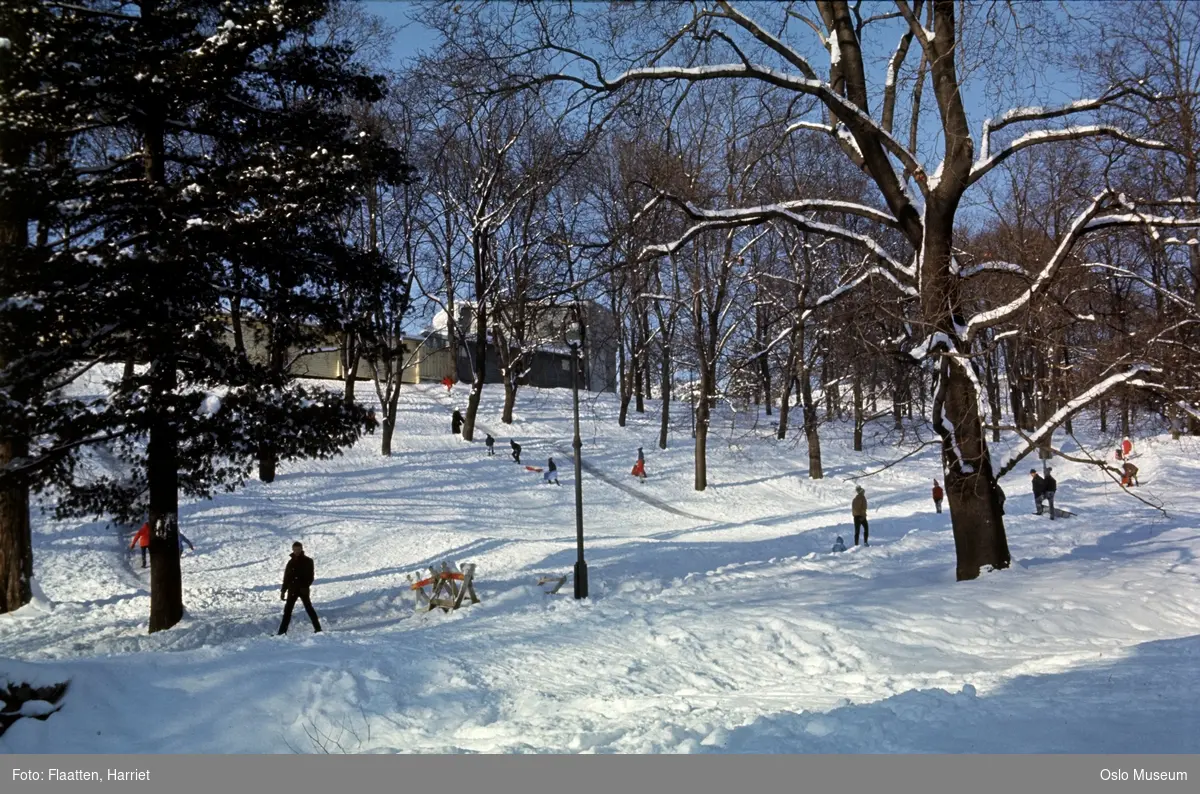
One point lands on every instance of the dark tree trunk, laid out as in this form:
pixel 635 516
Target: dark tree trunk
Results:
pixel 162 462
pixel 16 547
pixel 979 536
pixel 858 413
pixel 162 449
pixel 235 311
pixel 639 383
pixel 703 413
pixel 811 418
pixel 644 390
pixel 785 407
pixel 480 240
pixel 350 358
pixel 665 381
pixel 389 418
pixel 268 455
pixel 510 397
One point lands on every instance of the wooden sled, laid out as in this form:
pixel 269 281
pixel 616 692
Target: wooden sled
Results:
pixel 447 592
pixel 557 581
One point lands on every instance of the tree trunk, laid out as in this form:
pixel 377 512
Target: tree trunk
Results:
pixel 703 412
pixel 644 389
pixel 350 358
pixel 16 547
pixel 510 398
pixel 785 406
pixel 235 311
pixel 479 243
pixel 389 418
pixel 268 455
pixel 979 537
pixel 811 435
pixel 162 449
pixel 858 413
pixel 1104 416
pixel 811 420
pixel 639 383
pixel 665 380
pixel 166 582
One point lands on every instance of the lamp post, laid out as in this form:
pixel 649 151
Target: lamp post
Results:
pixel 581 573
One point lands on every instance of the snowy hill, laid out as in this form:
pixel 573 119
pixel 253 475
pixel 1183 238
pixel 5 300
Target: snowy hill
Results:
pixel 718 621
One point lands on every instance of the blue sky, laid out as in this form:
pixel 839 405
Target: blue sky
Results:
pixel 411 36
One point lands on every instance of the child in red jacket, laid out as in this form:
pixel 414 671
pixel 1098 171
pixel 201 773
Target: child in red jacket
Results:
pixel 938 495
pixel 142 536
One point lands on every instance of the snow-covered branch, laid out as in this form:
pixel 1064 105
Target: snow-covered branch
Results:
pixel 1033 440
pixel 987 161
pixel 1040 284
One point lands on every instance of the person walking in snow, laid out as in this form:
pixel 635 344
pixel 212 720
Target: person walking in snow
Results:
pixel 1051 486
pixel 1129 474
pixel 639 468
pixel 516 450
pixel 456 422
pixel 1126 447
pixel 551 475
pixel 491 445
pixel 838 545
pixel 297 579
pixel 182 540
pixel 1039 490
pixel 858 509
pixel 448 382
pixel 142 538
pixel 938 495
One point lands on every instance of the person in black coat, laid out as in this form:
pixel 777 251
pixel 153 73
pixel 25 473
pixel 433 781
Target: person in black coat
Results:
pixel 516 448
pixel 1051 486
pixel 491 445
pixel 551 475
pixel 456 422
pixel 297 579
pixel 1039 490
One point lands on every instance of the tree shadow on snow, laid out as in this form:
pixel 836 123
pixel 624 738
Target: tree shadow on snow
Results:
pixel 1147 701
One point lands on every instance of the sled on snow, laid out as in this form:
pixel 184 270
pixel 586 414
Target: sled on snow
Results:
pixel 1058 513
pixel 449 586
pixel 533 468
pixel 556 581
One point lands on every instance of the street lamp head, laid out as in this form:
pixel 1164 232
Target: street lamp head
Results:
pixel 573 335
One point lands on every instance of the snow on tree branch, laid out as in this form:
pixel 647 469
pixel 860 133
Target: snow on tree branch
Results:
pixel 987 161
pixel 1077 229
pixel 1034 439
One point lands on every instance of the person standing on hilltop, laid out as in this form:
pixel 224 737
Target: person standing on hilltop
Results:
pixel 938 495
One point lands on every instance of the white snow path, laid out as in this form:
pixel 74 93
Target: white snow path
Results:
pixel 738 633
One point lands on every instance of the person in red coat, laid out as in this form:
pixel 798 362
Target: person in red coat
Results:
pixel 142 537
pixel 938 495
pixel 448 382
pixel 1126 447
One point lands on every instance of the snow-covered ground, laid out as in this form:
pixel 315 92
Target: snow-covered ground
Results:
pixel 718 621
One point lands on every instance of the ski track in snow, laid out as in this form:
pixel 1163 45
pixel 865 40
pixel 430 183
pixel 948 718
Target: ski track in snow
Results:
pixel 735 633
